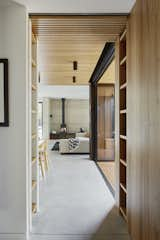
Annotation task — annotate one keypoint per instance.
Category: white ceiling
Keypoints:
(78, 6)
(70, 92)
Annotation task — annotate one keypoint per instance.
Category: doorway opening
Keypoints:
(64, 51)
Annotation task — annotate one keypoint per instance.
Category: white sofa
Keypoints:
(83, 146)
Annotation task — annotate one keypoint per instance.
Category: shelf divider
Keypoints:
(123, 61)
(122, 185)
(123, 35)
(123, 137)
(123, 86)
(123, 111)
(123, 162)
(123, 212)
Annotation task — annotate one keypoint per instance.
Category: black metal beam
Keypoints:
(63, 124)
(104, 61)
(79, 14)
(93, 122)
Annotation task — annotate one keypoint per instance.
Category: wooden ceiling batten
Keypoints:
(68, 38)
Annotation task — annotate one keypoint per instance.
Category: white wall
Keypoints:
(62, 91)
(13, 140)
(56, 112)
(76, 114)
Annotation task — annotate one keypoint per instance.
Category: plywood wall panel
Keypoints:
(144, 120)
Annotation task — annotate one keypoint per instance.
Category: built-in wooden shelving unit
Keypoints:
(123, 126)
(34, 116)
(34, 166)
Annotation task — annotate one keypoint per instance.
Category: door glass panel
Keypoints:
(106, 119)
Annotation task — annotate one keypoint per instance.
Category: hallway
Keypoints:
(75, 203)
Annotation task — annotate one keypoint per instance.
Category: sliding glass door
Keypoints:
(105, 122)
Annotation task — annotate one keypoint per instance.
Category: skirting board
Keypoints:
(12, 236)
(60, 237)
(80, 237)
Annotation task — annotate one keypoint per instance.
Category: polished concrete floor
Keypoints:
(75, 203)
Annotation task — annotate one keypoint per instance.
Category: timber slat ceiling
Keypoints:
(64, 39)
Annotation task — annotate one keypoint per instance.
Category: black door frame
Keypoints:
(104, 61)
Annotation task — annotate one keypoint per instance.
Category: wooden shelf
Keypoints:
(123, 187)
(123, 111)
(123, 162)
(123, 86)
(34, 88)
(33, 39)
(33, 63)
(34, 208)
(123, 137)
(123, 61)
(123, 35)
(34, 136)
(34, 159)
(123, 212)
(34, 183)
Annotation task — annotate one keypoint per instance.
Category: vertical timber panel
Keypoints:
(144, 120)
(117, 121)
